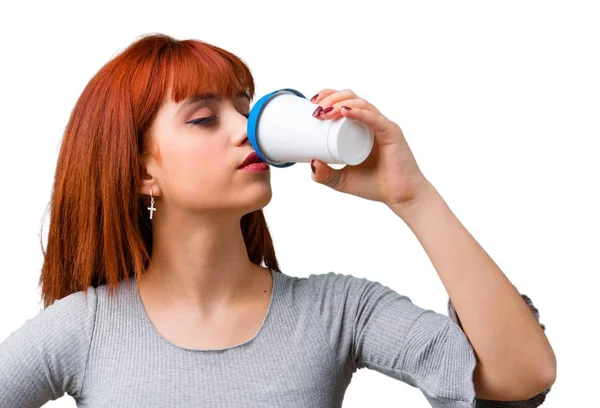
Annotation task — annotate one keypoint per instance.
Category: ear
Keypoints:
(148, 180)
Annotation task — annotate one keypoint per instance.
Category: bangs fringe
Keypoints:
(199, 68)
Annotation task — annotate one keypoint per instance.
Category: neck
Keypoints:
(203, 261)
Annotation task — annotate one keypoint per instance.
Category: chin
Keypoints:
(259, 201)
(264, 199)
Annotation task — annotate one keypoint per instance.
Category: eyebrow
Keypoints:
(207, 97)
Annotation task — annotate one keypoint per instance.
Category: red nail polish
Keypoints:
(317, 111)
(312, 167)
(314, 97)
(347, 108)
(327, 110)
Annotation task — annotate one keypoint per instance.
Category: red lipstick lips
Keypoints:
(252, 158)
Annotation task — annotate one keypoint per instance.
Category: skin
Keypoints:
(200, 289)
(200, 279)
(514, 358)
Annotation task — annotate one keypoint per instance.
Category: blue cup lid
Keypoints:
(253, 123)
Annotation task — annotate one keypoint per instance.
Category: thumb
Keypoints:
(323, 174)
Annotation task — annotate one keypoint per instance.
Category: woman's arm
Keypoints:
(514, 358)
(370, 325)
(528, 403)
(46, 357)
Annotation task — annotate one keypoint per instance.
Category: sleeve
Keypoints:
(370, 325)
(46, 357)
(530, 403)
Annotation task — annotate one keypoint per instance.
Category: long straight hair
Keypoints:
(99, 230)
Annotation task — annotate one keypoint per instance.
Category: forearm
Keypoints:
(514, 357)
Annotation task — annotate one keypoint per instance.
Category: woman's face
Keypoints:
(201, 144)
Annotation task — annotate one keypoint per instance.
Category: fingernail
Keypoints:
(317, 111)
(347, 108)
(327, 110)
(314, 97)
(312, 167)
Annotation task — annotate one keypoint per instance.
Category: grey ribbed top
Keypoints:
(317, 332)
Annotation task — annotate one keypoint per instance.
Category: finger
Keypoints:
(335, 113)
(323, 93)
(376, 121)
(323, 174)
(334, 97)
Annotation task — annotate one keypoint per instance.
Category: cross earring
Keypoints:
(151, 208)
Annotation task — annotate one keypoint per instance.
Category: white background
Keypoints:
(499, 103)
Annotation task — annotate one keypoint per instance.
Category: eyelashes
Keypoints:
(202, 121)
(208, 120)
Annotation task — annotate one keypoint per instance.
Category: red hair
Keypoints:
(99, 229)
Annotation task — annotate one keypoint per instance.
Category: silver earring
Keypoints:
(151, 208)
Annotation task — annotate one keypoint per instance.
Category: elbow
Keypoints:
(520, 385)
(534, 389)
(545, 379)
(542, 375)
(549, 376)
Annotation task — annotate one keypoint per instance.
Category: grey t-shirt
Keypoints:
(104, 351)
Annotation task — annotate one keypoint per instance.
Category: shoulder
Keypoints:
(344, 283)
(69, 319)
(50, 349)
(60, 330)
(76, 305)
(82, 307)
(335, 287)
(327, 279)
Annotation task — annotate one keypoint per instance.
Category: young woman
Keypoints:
(161, 285)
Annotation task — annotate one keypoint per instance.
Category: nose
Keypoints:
(240, 129)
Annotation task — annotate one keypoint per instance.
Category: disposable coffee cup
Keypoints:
(283, 132)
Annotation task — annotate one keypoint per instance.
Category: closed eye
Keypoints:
(208, 120)
(202, 121)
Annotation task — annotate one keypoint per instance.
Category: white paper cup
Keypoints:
(283, 131)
